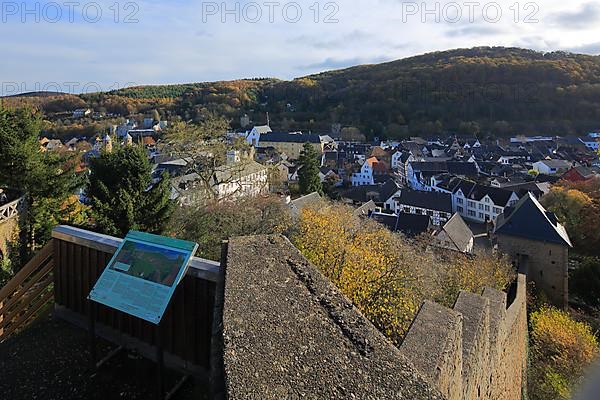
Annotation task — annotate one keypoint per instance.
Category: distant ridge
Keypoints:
(38, 94)
(497, 91)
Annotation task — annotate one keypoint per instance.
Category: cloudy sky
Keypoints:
(79, 46)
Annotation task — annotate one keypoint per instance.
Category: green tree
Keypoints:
(123, 196)
(584, 282)
(308, 175)
(47, 179)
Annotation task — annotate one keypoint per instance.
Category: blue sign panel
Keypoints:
(142, 276)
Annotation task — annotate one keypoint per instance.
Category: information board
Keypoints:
(142, 276)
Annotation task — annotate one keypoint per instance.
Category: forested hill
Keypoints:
(499, 89)
(486, 90)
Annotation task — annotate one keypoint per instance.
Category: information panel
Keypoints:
(142, 276)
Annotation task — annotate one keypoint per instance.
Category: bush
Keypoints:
(562, 349)
(217, 221)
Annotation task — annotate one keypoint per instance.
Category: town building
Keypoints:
(292, 143)
(476, 202)
(455, 235)
(579, 174)
(552, 167)
(409, 224)
(370, 168)
(438, 206)
(536, 242)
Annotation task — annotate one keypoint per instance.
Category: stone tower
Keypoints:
(107, 142)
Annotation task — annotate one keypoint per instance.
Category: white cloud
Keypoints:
(174, 42)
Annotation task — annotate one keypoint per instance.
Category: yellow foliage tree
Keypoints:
(383, 274)
(562, 350)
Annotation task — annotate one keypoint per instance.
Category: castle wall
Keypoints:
(476, 350)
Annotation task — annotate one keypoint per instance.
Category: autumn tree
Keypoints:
(216, 221)
(203, 147)
(308, 174)
(383, 274)
(561, 351)
(577, 206)
(123, 195)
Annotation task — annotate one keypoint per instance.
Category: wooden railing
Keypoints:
(80, 257)
(10, 210)
(65, 270)
(28, 294)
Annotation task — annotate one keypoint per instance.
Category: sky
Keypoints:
(86, 46)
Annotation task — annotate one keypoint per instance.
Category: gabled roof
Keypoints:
(475, 191)
(310, 200)
(556, 163)
(290, 137)
(458, 232)
(364, 193)
(530, 220)
(428, 200)
(262, 129)
(584, 172)
(408, 224)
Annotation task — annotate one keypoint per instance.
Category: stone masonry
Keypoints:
(476, 350)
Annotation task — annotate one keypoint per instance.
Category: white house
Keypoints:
(253, 137)
(552, 167)
(123, 129)
(396, 160)
(81, 112)
(365, 175)
(245, 178)
(482, 203)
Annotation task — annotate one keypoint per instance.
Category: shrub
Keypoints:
(562, 349)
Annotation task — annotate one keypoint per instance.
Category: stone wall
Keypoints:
(546, 263)
(477, 350)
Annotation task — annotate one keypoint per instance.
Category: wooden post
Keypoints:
(160, 364)
(92, 332)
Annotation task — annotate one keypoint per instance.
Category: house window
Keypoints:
(472, 213)
(480, 215)
(471, 204)
(487, 208)
(459, 209)
(497, 210)
(459, 200)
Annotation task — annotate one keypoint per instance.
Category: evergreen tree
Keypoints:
(46, 179)
(308, 175)
(123, 195)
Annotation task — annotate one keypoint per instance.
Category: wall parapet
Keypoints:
(477, 350)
